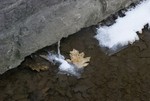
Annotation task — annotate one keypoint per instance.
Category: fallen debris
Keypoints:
(78, 59)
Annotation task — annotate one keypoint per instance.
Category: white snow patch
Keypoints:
(124, 30)
(64, 66)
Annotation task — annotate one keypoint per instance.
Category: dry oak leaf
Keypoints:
(38, 67)
(78, 59)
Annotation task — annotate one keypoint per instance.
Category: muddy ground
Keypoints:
(124, 76)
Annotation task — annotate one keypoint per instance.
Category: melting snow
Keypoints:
(124, 30)
(64, 66)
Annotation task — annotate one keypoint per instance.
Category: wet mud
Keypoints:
(124, 76)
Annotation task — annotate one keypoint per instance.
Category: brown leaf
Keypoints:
(78, 59)
(38, 67)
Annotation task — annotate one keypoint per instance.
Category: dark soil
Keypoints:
(124, 76)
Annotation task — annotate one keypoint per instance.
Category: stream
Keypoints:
(123, 76)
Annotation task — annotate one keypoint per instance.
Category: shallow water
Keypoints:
(124, 76)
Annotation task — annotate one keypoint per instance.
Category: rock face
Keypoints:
(29, 25)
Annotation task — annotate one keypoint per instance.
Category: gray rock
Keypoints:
(29, 25)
